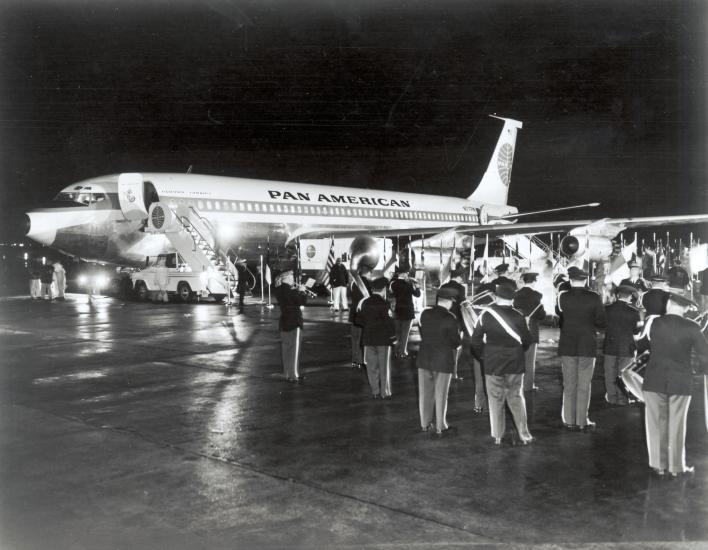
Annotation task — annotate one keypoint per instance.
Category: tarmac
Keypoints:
(127, 425)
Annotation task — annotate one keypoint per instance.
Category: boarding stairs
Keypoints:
(195, 239)
(530, 247)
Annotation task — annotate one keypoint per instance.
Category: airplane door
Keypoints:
(131, 196)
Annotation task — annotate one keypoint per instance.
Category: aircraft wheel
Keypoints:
(184, 292)
(141, 291)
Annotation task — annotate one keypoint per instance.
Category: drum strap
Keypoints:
(647, 327)
(510, 331)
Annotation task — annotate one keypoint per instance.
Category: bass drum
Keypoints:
(631, 378)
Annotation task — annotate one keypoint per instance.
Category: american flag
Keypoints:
(329, 265)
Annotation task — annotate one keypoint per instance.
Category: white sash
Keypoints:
(504, 325)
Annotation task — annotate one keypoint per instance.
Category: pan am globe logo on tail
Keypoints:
(504, 161)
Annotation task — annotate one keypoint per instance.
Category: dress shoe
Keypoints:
(387, 397)
(429, 428)
(686, 471)
(446, 431)
(589, 427)
(497, 441)
(571, 427)
(376, 396)
(658, 471)
(528, 440)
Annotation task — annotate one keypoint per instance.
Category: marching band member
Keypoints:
(581, 314)
(358, 360)
(623, 323)
(500, 338)
(528, 301)
(667, 383)
(439, 338)
(403, 290)
(290, 299)
(378, 334)
(635, 278)
(455, 283)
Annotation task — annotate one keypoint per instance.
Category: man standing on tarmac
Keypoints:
(668, 383)
(500, 338)
(528, 301)
(338, 279)
(378, 334)
(290, 299)
(619, 346)
(440, 337)
(358, 360)
(581, 314)
(403, 290)
(455, 284)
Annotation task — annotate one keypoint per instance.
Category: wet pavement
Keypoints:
(134, 425)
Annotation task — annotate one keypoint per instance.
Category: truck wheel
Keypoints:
(141, 291)
(184, 292)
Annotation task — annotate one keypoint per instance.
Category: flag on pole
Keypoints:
(618, 266)
(329, 265)
(485, 261)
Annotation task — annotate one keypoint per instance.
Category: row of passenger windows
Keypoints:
(316, 210)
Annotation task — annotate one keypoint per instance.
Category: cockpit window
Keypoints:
(81, 197)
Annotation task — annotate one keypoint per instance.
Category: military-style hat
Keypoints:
(577, 274)
(633, 265)
(457, 273)
(560, 278)
(379, 284)
(501, 268)
(505, 291)
(627, 290)
(447, 293)
(529, 277)
(681, 300)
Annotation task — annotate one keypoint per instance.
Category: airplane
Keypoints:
(122, 218)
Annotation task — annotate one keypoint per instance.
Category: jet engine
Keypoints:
(573, 246)
(363, 252)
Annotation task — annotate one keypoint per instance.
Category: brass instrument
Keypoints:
(469, 315)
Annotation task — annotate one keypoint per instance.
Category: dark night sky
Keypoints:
(380, 94)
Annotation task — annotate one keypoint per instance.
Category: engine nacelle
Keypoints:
(574, 246)
(363, 252)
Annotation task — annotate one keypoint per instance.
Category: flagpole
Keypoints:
(262, 296)
(471, 292)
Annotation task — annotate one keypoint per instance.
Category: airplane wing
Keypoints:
(607, 227)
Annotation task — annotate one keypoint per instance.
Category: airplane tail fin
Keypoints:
(494, 187)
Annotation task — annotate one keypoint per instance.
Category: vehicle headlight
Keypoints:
(83, 279)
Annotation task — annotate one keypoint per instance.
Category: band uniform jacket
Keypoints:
(338, 275)
(439, 338)
(491, 343)
(640, 284)
(622, 325)
(526, 301)
(403, 292)
(378, 327)
(356, 298)
(581, 314)
(654, 301)
(290, 300)
(671, 340)
(455, 309)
